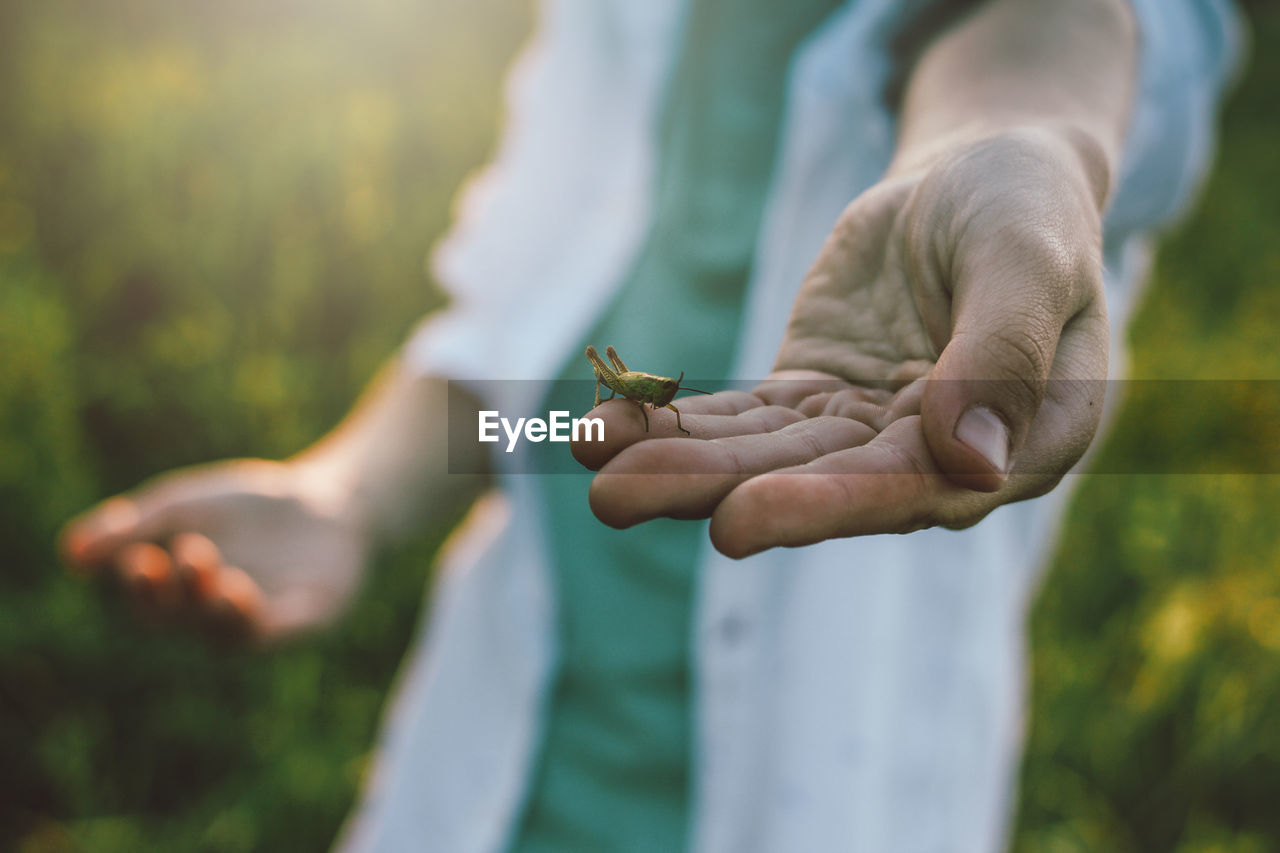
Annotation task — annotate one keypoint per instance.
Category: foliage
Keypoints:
(213, 223)
(1157, 635)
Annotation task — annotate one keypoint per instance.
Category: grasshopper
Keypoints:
(639, 388)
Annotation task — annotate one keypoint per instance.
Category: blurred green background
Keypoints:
(213, 219)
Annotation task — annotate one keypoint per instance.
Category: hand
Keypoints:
(248, 549)
(940, 361)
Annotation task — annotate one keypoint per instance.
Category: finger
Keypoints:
(90, 541)
(889, 485)
(853, 406)
(1014, 291)
(147, 573)
(906, 402)
(624, 426)
(687, 478)
(235, 609)
(791, 387)
(196, 563)
(1072, 408)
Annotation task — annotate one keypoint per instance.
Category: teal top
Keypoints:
(613, 772)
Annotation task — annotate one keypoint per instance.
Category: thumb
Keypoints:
(990, 379)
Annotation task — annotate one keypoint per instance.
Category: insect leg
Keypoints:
(643, 414)
(604, 375)
(617, 361)
(612, 394)
(678, 426)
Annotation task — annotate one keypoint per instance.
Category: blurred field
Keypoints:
(213, 223)
(213, 219)
(1156, 708)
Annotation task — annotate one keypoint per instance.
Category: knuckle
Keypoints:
(1041, 232)
(808, 439)
(737, 465)
(815, 405)
(884, 198)
(1017, 367)
(1021, 351)
(775, 417)
(909, 462)
(925, 509)
(1033, 242)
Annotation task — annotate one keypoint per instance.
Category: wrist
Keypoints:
(1078, 151)
(386, 470)
(329, 480)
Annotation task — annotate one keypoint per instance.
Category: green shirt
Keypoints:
(614, 770)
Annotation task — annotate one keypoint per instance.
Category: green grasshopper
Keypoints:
(639, 388)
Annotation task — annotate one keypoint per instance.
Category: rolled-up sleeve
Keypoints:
(1189, 52)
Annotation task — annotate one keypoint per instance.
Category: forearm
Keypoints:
(1063, 65)
(387, 465)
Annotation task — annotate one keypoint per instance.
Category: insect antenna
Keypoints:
(680, 387)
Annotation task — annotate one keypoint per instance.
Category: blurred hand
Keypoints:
(248, 549)
(939, 362)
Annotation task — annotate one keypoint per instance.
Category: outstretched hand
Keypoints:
(942, 359)
(244, 550)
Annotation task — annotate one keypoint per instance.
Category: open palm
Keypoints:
(241, 548)
(941, 359)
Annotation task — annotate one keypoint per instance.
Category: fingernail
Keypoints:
(984, 432)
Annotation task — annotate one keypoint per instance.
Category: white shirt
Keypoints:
(861, 695)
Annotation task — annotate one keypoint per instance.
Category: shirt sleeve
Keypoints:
(1189, 50)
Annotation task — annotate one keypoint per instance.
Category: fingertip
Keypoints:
(192, 548)
(982, 457)
(732, 540)
(590, 453)
(90, 540)
(199, 582)
(74, 546)
(788, 388)
(608, 503)
(196, 561)
(609, 429)
(623, 425)
(969, 439)
(815, 404)
(743, 522)
(147, 572)
(236, 605)
(727, 542)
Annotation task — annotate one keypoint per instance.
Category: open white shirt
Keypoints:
(860, 695)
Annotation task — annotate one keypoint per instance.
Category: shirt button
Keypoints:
(733, 628)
